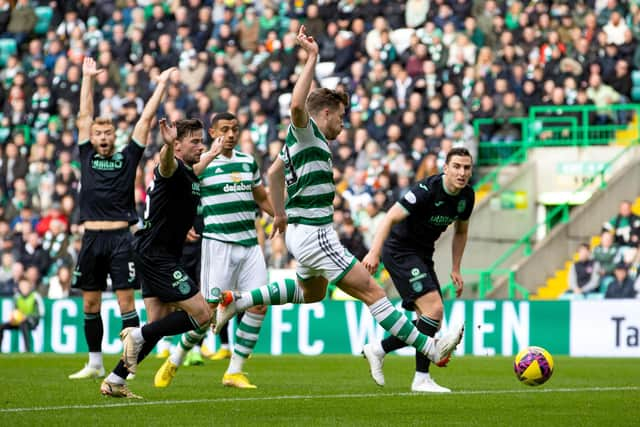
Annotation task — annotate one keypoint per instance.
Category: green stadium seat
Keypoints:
(635, 94)
(635, 78)
(44, 14)
(8, 47)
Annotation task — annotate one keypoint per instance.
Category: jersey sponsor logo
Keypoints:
(112, 164)
(441, 220)
(439, 203)
(461, 205)
(195, 188)
(417, 275)
(410, 197)
(232, 188)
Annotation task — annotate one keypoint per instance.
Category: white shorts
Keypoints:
(231, 267)
(318, 252)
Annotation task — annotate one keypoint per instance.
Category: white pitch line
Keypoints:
(305, 397)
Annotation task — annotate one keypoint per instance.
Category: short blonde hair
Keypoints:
(103, 121)
(325, 98)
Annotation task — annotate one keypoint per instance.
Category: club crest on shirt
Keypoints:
(461, 205)
(236, 176)
(246, 167)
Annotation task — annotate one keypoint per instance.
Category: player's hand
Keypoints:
(279, 225)
(371, 262)
(458, 282)
(307, 42)
(192, 236)
(89, 67)
(168, 131)
(216, 147)
(163, 77)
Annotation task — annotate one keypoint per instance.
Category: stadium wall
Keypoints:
(493, 327)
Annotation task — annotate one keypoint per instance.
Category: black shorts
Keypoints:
(105, 252)
(163, 276)
(411, 275)
(191, 256)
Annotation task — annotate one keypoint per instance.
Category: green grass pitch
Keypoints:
(324, 390)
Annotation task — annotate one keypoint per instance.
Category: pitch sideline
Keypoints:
(296, 397)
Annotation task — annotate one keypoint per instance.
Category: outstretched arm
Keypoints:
(168, 163)
(85, 115)
(141, 131)
(396, 214)
(299, 114)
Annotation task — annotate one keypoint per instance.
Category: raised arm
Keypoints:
(299, 115)
(168, 163)
(207, 157)
(141, 131)
(396, 214)
(276, 186)
(85, 115)
(458, 243)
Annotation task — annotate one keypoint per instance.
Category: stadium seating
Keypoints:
(8, 47)
(635, 90)
(44, 14)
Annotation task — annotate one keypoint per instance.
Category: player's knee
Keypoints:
(126, 303)
(258, 309)
(203, 316)
(91, 305)
(373, 291)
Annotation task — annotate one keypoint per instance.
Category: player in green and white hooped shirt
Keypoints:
(231, 191)
(305, 166)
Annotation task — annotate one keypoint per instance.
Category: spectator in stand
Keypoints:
(606, 254)
(352, 238)
(7, 286)
(622, 285)
(583, 274)
(60, 284)
(625, 226)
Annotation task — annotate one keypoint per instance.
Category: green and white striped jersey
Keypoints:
(228, 206)
(308, 175)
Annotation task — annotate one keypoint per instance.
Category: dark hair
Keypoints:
(586, 246)
(216, 117)
(326, 98)
(188, 126)
(458, 151)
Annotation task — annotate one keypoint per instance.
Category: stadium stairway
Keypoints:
(558, 284)
(631, 133)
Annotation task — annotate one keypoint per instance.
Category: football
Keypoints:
(533, 365)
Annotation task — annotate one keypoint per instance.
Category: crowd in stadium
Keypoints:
(413, 93)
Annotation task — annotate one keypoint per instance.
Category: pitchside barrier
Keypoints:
(577, 328)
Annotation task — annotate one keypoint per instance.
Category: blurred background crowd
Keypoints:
(418, 73)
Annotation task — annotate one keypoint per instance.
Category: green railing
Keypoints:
(556, 126)
(487, 275)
